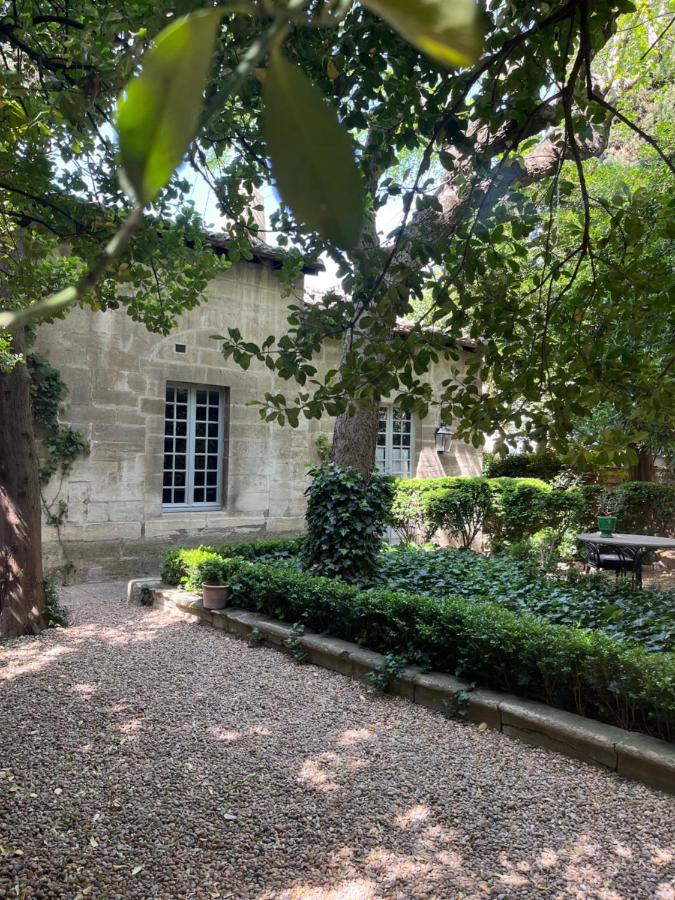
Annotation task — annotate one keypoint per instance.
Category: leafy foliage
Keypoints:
(518, 508)
(629, 616)
(211, 570)
(160, 108)
(461, 509)
(346, 517)
(180, 564)
(583, 671)
(312, 156)
(55, 615)
(544, 465)
(62, 443)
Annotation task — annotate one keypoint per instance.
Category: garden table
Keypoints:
(629, 548)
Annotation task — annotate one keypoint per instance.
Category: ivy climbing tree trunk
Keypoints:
(22, 595)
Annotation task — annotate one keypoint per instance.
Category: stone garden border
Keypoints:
(628, 753)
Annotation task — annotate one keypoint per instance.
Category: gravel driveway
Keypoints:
(145, 757)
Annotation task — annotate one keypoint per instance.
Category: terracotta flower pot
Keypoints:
(606, 525)
(214, 596)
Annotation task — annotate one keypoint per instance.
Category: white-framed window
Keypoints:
(194, 429)
(395, 449)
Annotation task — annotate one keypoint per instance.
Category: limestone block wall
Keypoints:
(117, 372)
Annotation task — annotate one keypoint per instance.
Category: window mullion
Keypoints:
(389, 440)
(191, 447)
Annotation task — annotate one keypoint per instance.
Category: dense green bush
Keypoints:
(583, 671)
(346, 517)
(53, 612)
(629, 616)
(522, 507)
(545, 465)
(461, 509)
(180, 565)
(642, 507)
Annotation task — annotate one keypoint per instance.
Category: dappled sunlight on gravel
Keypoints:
(142, 756)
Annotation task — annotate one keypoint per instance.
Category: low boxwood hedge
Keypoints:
(181, 564)
(571, 668)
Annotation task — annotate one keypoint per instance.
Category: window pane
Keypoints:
(201, 396)
(170, 393)
(181, 428)
(179, 496)
(200, 429)
(211, 495)
(181, 411)
(214, 398)
(182, 395)
(199, 479)
(213, 429)
(199, 495)
(201, 413)
(166, 495)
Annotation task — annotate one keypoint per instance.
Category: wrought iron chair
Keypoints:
(620, 560)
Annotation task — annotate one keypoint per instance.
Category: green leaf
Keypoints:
(312, 155)
(159, 111)
(447, 30)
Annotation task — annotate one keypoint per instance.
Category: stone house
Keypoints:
(178, 456)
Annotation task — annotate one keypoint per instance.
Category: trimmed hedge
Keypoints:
(582, 671)
(181, 565)
(523, 506)
(545, 465)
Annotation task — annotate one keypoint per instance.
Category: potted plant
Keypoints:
(215, 589)
(606, 519)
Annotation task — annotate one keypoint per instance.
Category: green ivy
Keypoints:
(62, 444)
(346, 517)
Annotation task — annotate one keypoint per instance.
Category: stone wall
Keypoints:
(117, 372)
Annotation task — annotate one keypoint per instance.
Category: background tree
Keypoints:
(553, 81)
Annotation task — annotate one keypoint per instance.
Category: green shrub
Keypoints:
(512, 516)
(643, 507)
(461, 509)
(571, 668)
(515, 580)
(264, 550)
(518, 509)
(180, 564)
(346, 517)
(545, 465)
(53, 613)
(409, 514)
(210, 571)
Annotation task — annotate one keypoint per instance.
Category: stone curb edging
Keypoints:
(628, 753)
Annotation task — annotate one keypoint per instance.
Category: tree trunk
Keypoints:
(643, 470)
(22, 595)
(354, 440)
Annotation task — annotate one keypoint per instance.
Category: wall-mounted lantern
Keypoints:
(444, 435)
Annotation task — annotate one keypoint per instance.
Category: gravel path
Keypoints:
(145, 757)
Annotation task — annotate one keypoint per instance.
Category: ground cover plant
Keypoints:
(592, 601)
